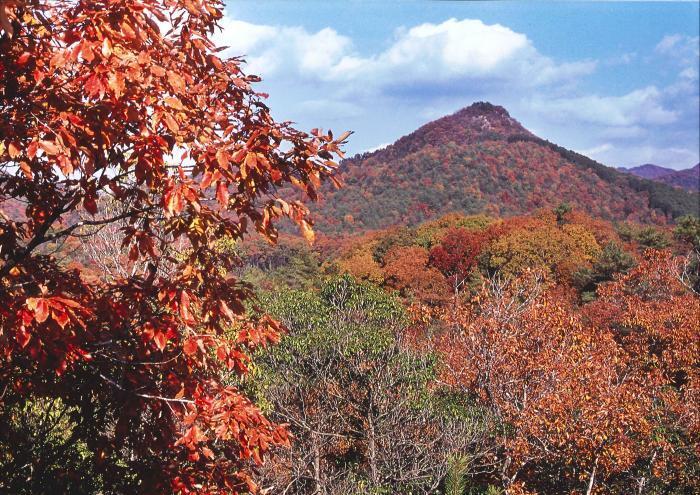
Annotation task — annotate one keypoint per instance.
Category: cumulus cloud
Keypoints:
(270, 50)
(428, 70)
(451, 51)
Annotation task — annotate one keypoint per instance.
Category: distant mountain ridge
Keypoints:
(480, 159)
(648, 171)
(688, 178)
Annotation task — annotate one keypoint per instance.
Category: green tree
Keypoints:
(611, 261)
(652, 238)
(688, 230)
(357, 398)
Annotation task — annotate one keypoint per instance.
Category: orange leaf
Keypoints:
(174, 103)
(222, 157)
(171, 123)
(307, 231)
(177, 82)
(173, 201)
(222, 193)
(13, 150)
(106, 47)
(206, 180)
(5, 20)
(185, 306)
(50, 147)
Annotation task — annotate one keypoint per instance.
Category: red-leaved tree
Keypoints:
(128, 99)
(457, 254)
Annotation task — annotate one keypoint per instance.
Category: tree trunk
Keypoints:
(591, 480)
(319, 489)
(372, 450)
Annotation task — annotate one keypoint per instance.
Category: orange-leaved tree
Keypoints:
(655, 318)
(128, 99)
(585, 403)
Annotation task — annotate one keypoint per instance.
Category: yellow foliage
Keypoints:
(360, 263)
(543, 246)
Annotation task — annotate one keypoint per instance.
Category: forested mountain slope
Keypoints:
(480, 159)
(647, 171)
(687, 179)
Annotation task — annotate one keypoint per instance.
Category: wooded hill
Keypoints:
(481, 160)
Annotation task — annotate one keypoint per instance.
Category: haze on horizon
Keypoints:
(615, 81)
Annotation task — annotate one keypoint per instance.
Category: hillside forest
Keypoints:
(197, 299)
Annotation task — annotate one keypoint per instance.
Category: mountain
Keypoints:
(647, 171)
(480, 159)
(687, 179)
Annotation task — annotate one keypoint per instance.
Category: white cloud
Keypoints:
(272, 49)
(453, 50)
(631, 156)
(376, 148)
(642, 106)
(689, 74)
(428, 70)
(621, 59)
(626, 132)
(684, 49)
(597, 150)
(668, 42)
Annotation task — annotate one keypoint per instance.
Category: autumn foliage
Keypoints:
(551, 353)
(130, 100)
(595, 399)
(579, 341)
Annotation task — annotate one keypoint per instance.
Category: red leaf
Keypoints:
(40, 308)
(90, 205)
(23, 338)
(222, 353)
(160, 339)
(190, 346)
(185, 306)
(60, 317)
(31, 149)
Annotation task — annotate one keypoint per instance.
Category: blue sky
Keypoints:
(617, 81)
